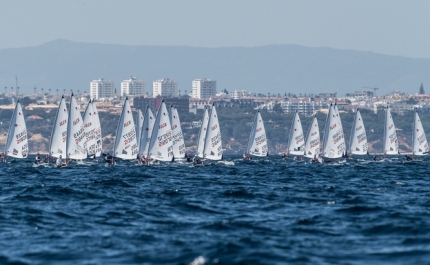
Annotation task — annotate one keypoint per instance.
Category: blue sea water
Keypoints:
(267, 211)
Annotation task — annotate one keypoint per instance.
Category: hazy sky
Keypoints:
(394, 27)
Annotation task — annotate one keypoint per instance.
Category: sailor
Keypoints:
(376, 158)
(409, 157)
(46, 159)
(38, 159)
(246, 157)
(60, 162)
(3, 157)
(315, 159)
(283, 155)
(108, 158)
(189, 159)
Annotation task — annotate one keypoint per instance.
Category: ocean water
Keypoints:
(265, 211)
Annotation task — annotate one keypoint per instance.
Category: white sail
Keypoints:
(419, 141)
(148, 125)
(161, 144)
(312, 145)
(391, 145)
(98, 130)
(90, 130)
(125, 139)
(139, 129)
(76, 142)
(257, 143)
(58, 143)
(202, 134)
(17, 142)
(334, 141)
(177, 136)
(358, 141)
(213, 144)
(296, 140)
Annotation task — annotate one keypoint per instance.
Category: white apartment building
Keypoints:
(102, 88)
(165, 88)
(133, 86)
(203, 88)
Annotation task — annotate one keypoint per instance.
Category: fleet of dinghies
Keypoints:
(160, 138)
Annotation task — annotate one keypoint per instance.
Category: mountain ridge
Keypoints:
(279, 68)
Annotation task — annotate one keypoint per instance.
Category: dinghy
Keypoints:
(125, 139)
(139, 129)
(17, 142)
(202, 134)
(391, 145)
(358, 139)
(91, 131)
(419, 140)
(75, 142)
(161, 144)
(177, 136)
(147, 127)
(334, 141)
(312, 144)
(97, 131)
(296, 140)
(257, 143)
(213, 144)
(58, 141)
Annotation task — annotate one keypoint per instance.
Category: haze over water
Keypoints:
(269, 211)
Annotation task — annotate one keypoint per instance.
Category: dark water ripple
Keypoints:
(233, 212)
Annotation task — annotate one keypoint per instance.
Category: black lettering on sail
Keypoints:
(124, 152)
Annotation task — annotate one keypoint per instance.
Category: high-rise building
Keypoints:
(203, 88)
(102, 88)
(132, 86)
(165, 88)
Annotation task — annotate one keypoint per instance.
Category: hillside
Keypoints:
(276, 69)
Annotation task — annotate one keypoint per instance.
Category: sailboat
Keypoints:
(312, 144)
(17, 142)
(202, 134)
(419, 140)
(296, 140)
(97, 130)
(391, 145)
(177, 136)
(90, 130)
(334, 141)
(125, 140)
(257, 143)
(57, 145)
(358, 140)
(139, 129)
(75, 142)
(161, 144)
(213, 144)
(147, 127)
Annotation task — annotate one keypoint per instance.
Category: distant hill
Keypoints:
(63, 64)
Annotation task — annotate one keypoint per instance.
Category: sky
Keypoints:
(394, 27)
